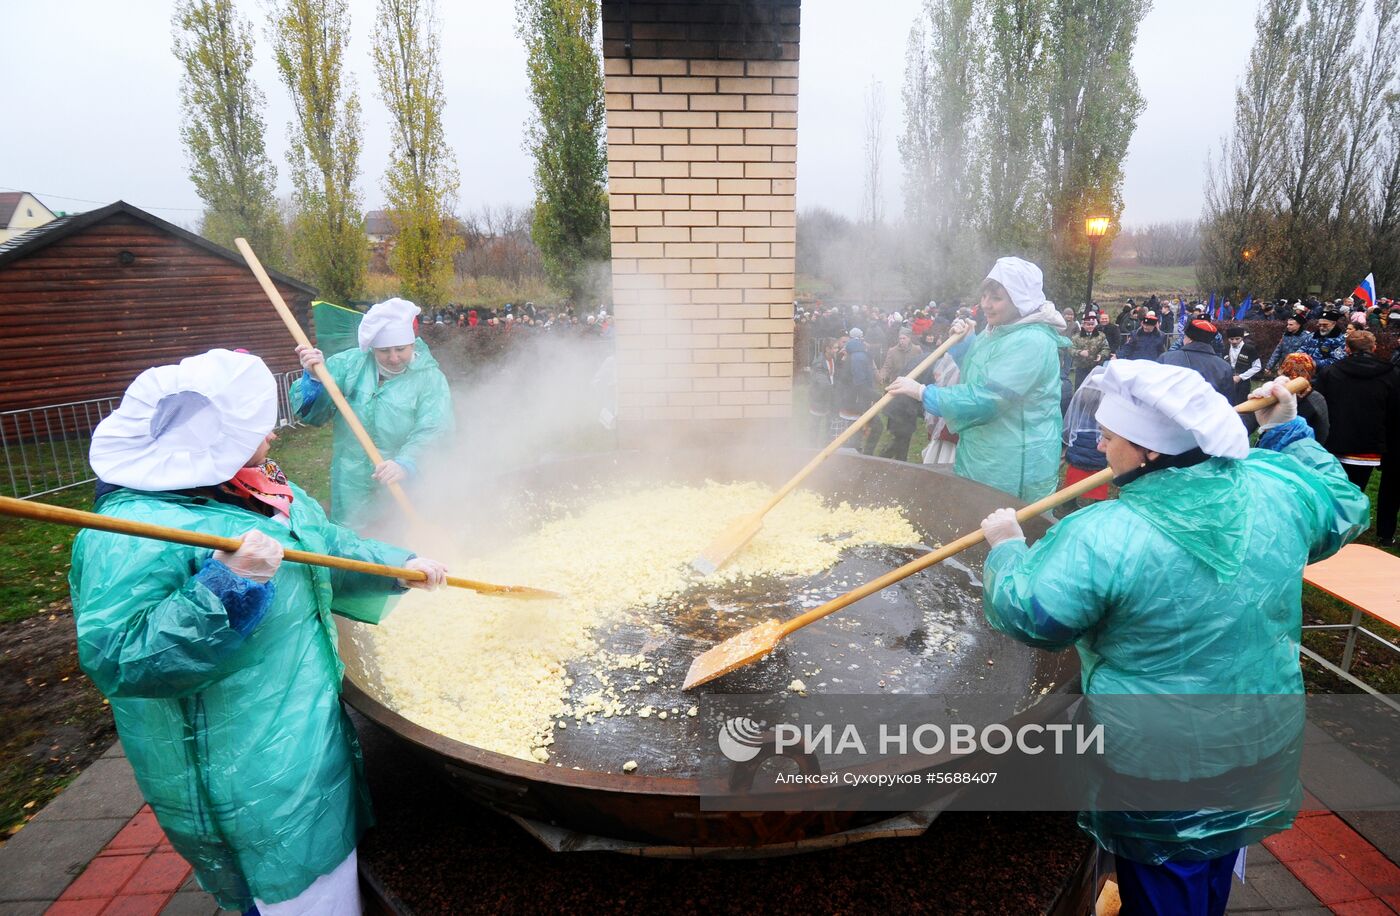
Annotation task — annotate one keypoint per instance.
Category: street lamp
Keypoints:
(1095, 227)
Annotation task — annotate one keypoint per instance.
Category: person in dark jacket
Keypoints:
(903, 414)
(1328, 343)
(1111, 332)
(1243, 358)
(1197, 353)
(822, 390)
(1294, 340)
(1388, 499)
(858, 393)
(1363, 404)
(1148, 342)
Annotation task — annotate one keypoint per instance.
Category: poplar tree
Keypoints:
(565, 137)
(222, 126)
(1012, 115)
(1092, 104)
(421, 181)
(309, 43)
(939, 95)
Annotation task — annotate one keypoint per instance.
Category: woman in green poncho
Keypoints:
(1006, 406)
(400, 395)
(1183, 598)
(221, 667)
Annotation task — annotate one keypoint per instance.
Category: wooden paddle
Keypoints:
(76, 518)
(323, 374)
(756, 642)
(733, 538)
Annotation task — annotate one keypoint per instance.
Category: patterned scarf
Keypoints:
(264, 484)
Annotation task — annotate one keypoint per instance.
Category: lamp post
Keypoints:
(1095, 227)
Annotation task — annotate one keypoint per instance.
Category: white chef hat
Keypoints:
(1024, 282)
(388, 324)
(193, 424)
(1168, 409)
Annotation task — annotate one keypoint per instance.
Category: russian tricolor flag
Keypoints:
(1366, 292)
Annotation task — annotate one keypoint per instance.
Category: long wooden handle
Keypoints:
(323, 374)
(855, 427)
(77, 518)
(973, 538)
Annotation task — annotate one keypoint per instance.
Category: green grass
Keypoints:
(34, 558)
(1121, 280)
(304, 453)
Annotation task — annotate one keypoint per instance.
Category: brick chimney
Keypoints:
(702, 166)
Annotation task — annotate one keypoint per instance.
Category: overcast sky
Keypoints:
(92, 102)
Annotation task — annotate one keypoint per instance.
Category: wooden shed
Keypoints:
(89, 301)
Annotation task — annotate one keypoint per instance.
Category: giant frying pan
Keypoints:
(925, 635)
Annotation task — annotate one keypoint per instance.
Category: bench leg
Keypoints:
(1351, 639)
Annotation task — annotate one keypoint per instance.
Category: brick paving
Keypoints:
(76, 859)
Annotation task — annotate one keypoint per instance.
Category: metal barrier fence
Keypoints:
(46, 448)
(286, 417)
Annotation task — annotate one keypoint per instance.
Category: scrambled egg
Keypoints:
(491, 672)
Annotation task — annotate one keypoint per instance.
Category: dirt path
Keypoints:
(53, 722)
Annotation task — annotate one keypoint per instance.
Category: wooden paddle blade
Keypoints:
(505, 591)
(730, 542)
(735, 652)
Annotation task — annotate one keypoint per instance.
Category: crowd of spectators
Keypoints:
(849, 354)
(526, 316)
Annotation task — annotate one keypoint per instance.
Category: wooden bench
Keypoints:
(1368, 579)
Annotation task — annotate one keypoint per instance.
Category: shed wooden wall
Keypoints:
(75, 324)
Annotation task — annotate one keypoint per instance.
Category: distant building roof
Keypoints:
(42, 236)
(8, 201)
(377, 222)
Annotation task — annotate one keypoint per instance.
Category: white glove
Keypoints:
(257, 558)
(1002, 526)
(907, 387)
(389, 472)
(310, 356)
(960, 327)
(436, 572)
(1278, 414)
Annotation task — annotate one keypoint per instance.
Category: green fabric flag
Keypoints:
(337, 327)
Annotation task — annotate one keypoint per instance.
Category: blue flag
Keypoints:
(1210, 307)
(1244, 307)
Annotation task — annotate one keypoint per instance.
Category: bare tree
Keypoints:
(1176, 244)
(1385, 224)
(1317, 137)
(1375, 74)
(1244, 183)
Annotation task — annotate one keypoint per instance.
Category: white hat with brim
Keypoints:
(189, 425)
(388, 324)
(1168, 409)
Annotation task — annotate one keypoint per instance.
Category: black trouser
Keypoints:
(872, 432)
(901, 431)
(1359, 474)
(1388, 500)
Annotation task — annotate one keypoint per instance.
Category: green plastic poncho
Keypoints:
(1189, 584)
(405, 416)
(1006, 409)
(239, 742)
